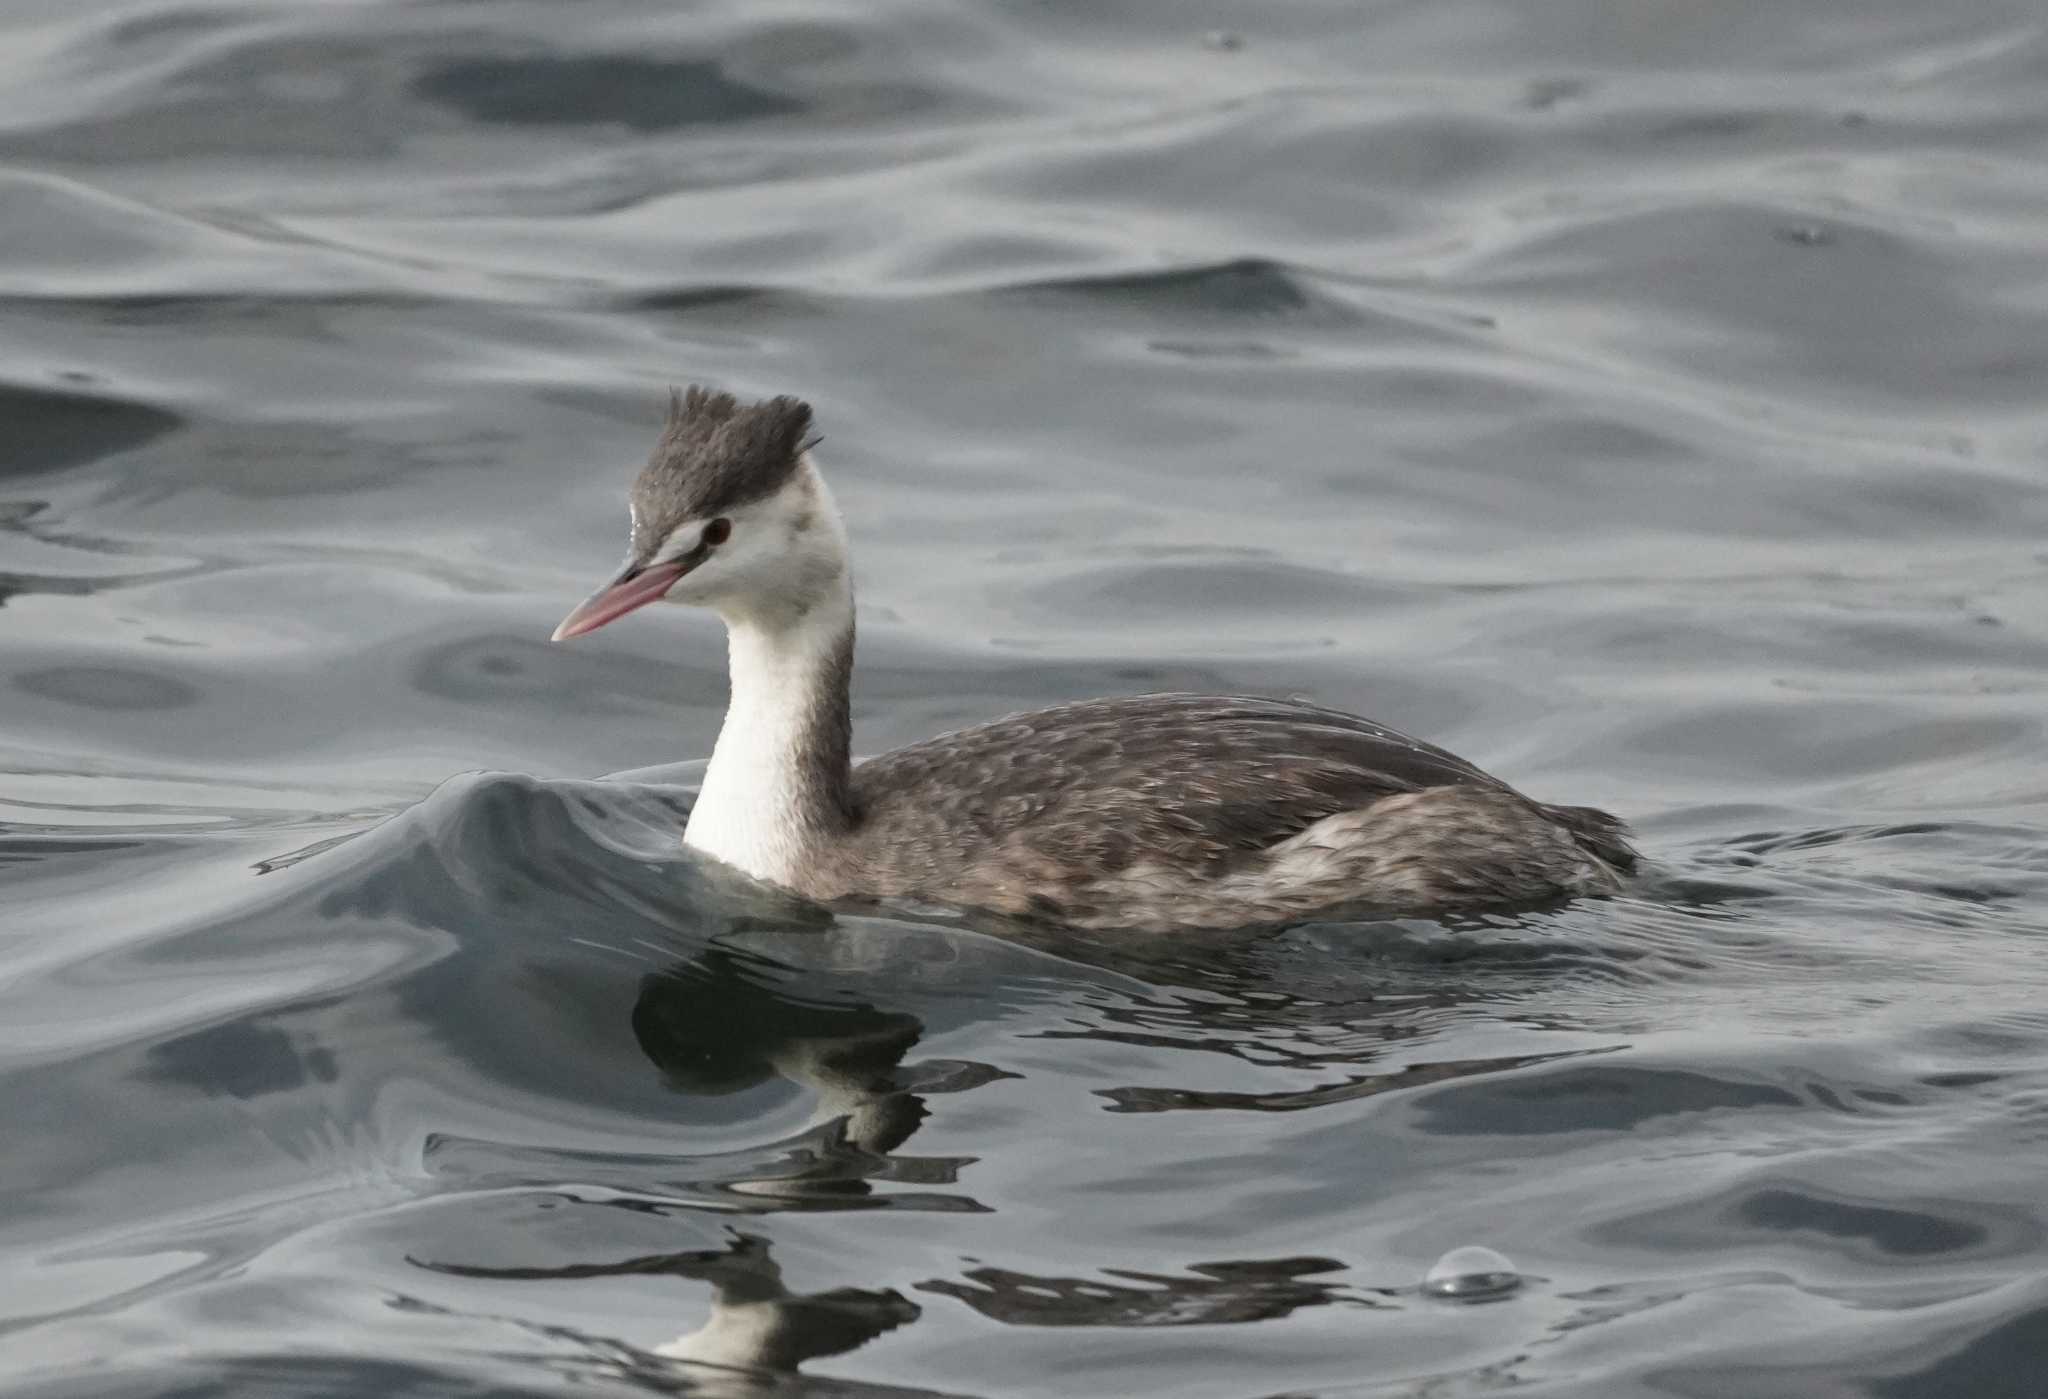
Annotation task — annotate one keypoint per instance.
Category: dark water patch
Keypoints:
(1470, 952)
(1588, 1098)
(287, 312)
(525, 673)
(977, 257)
(55, 430)
(23, 849)
(1806, 235)
(108, 687)
(1707, 894)
(41, 521)
(1602, 445)
(243, 1059)
(1248, 288)
(2000, 1361)
(1547, 94)
(1987, 867)
(1424, 152)
(1926, 1351)
(640, 93)
(1347, 1090)
(1962, 1079)
(715, 297)
(1772, 842)
(14, 585)
(1248, 350)
(1890, 1232)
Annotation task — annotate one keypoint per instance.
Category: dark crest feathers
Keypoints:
(715, 454)
(698, 401)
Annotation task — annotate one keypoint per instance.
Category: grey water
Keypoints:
(1648, 400)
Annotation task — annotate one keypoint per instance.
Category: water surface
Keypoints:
(1642, 399)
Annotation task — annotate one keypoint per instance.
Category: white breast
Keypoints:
(739, 817)
(752, 811)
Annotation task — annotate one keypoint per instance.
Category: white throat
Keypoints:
(771, 792)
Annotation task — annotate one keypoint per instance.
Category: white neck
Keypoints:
(777, 780)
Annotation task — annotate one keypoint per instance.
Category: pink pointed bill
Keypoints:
(629, 592)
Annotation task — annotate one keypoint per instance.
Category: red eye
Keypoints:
(718, 531)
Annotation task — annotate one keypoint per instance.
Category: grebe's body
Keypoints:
(1148, 812)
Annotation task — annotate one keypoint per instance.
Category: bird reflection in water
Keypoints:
(757, 1329)
(727, 1020)
(716, 1025)
(713, 1027)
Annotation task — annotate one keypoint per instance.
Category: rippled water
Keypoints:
(1645, 399)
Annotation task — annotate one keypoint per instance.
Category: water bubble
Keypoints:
(1473, 1273)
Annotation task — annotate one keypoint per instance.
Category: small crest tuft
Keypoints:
(700, 402)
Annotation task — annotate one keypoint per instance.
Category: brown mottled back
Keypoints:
(1024, 813)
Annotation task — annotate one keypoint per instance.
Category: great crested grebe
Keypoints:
(1149, 812)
